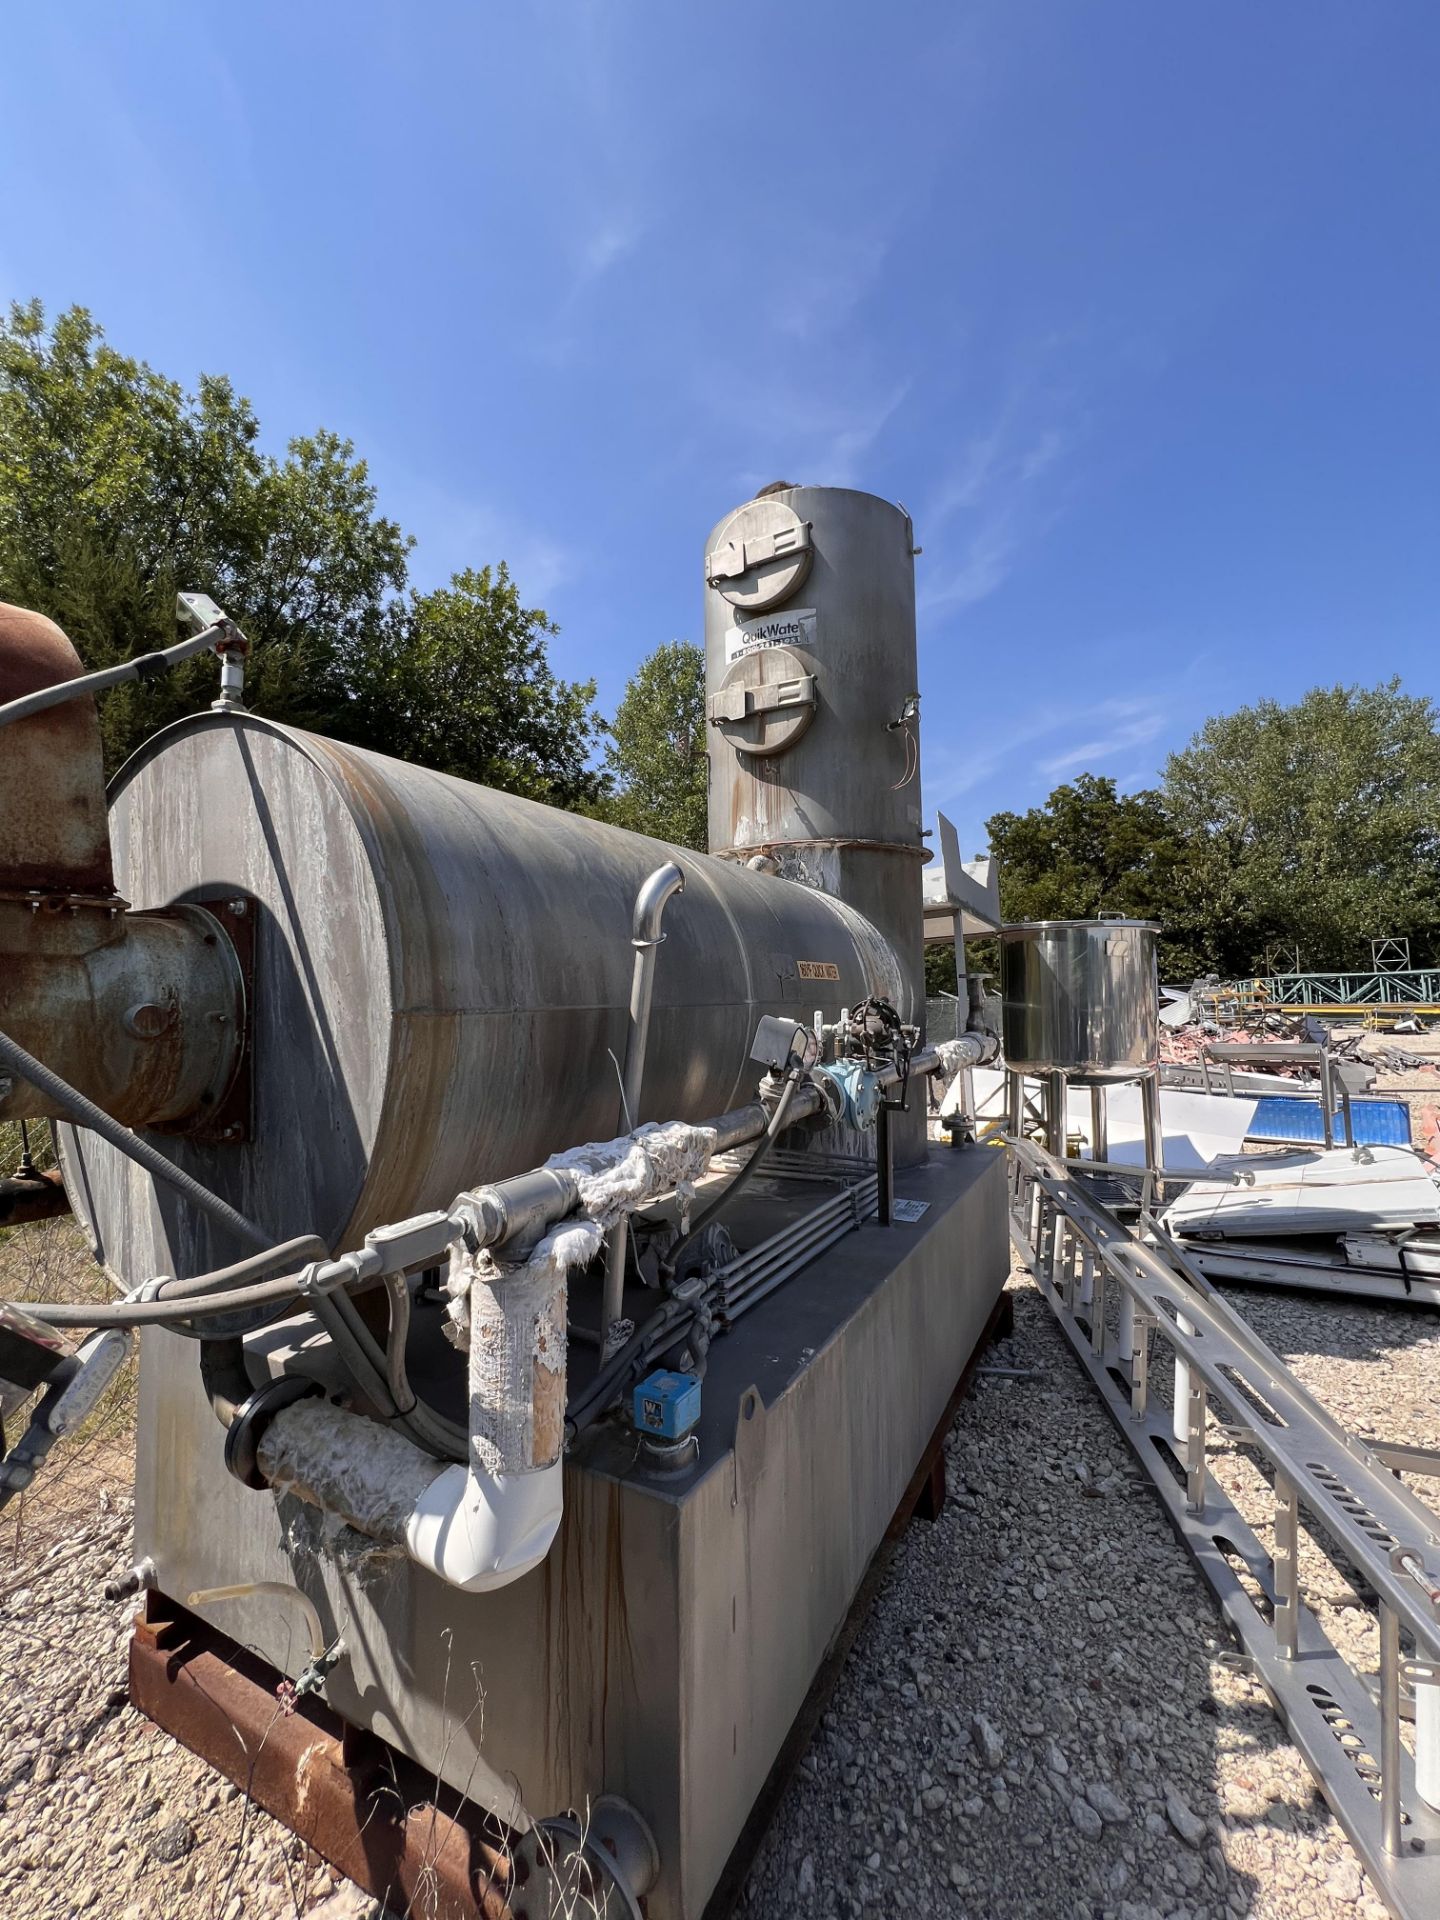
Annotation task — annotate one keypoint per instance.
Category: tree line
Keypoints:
(118, 488)
(1315, 825)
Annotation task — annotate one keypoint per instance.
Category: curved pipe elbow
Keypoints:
(651, 900)
(478, 1531)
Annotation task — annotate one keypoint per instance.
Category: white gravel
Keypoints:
(1040, 1717)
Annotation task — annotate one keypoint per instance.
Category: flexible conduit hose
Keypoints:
(160, 1313)
(143, 667)
(85, 1113)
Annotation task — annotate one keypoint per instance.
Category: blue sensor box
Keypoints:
(667, 1404)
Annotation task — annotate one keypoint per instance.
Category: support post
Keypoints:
(884, 1165)
(1286, 1560)
(1390, 1808)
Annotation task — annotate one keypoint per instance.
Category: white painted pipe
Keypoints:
(1427, 1733)
(478, 1530)
(475, 1530)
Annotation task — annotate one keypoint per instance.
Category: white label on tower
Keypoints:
(793, 628)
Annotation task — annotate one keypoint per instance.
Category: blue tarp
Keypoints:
(1378, 1123)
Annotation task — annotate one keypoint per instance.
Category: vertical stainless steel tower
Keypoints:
(813, 713)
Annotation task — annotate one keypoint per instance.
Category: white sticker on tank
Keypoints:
(793, 628)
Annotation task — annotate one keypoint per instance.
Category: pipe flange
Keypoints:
(603, 1868)
(252, 1416)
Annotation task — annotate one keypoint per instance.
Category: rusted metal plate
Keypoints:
(371, 1812)
(32, 1196)
(53, 831)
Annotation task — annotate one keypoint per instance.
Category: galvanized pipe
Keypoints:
(645, 936)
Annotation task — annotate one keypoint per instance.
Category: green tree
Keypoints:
(1090, 850)
(117, 488)
(942, 972)
(1317, 823)
(461, 681)
(656, 755)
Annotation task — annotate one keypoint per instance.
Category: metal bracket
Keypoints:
(730, 705)
(749, 1444)
(738, 557)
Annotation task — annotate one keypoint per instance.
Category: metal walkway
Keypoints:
(1121, 1297)
(1408, 989)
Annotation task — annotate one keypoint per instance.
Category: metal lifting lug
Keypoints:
(739, 557)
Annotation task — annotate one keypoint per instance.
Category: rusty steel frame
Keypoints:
(372, 1813)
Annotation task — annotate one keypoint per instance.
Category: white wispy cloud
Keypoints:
(819, 291)
(1143, 724)
(1045, 743)
(998, 495)
(818, 435)
(465, 532)
(616, 233)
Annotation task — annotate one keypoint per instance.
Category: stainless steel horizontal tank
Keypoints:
(1081, 997)
(442, 978)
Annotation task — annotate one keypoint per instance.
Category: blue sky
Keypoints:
(1135, 305)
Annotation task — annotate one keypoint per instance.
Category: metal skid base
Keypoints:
(666, 1647)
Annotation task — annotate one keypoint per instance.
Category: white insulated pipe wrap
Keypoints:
(369, 1475)
(516, 1312)
(485, 1524)
(517, 1353)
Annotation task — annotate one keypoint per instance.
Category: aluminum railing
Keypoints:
(1121, 1294)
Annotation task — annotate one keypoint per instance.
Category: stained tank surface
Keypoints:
(812, 715)
(442, 975)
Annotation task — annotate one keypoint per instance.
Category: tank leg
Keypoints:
(1055, 1090)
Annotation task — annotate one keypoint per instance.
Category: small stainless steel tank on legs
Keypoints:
(1080, 998)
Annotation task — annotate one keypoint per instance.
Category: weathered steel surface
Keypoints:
(368, 1810)
(839, 806)
(141, 1012)
(665, 1646)
(924, 1499)
(441, 981)
(52, 781)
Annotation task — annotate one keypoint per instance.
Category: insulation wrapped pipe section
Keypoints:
(481, 1525)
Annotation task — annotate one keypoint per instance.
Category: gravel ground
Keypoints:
(1040, 1717)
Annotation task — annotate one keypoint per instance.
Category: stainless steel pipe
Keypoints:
(645, 936)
